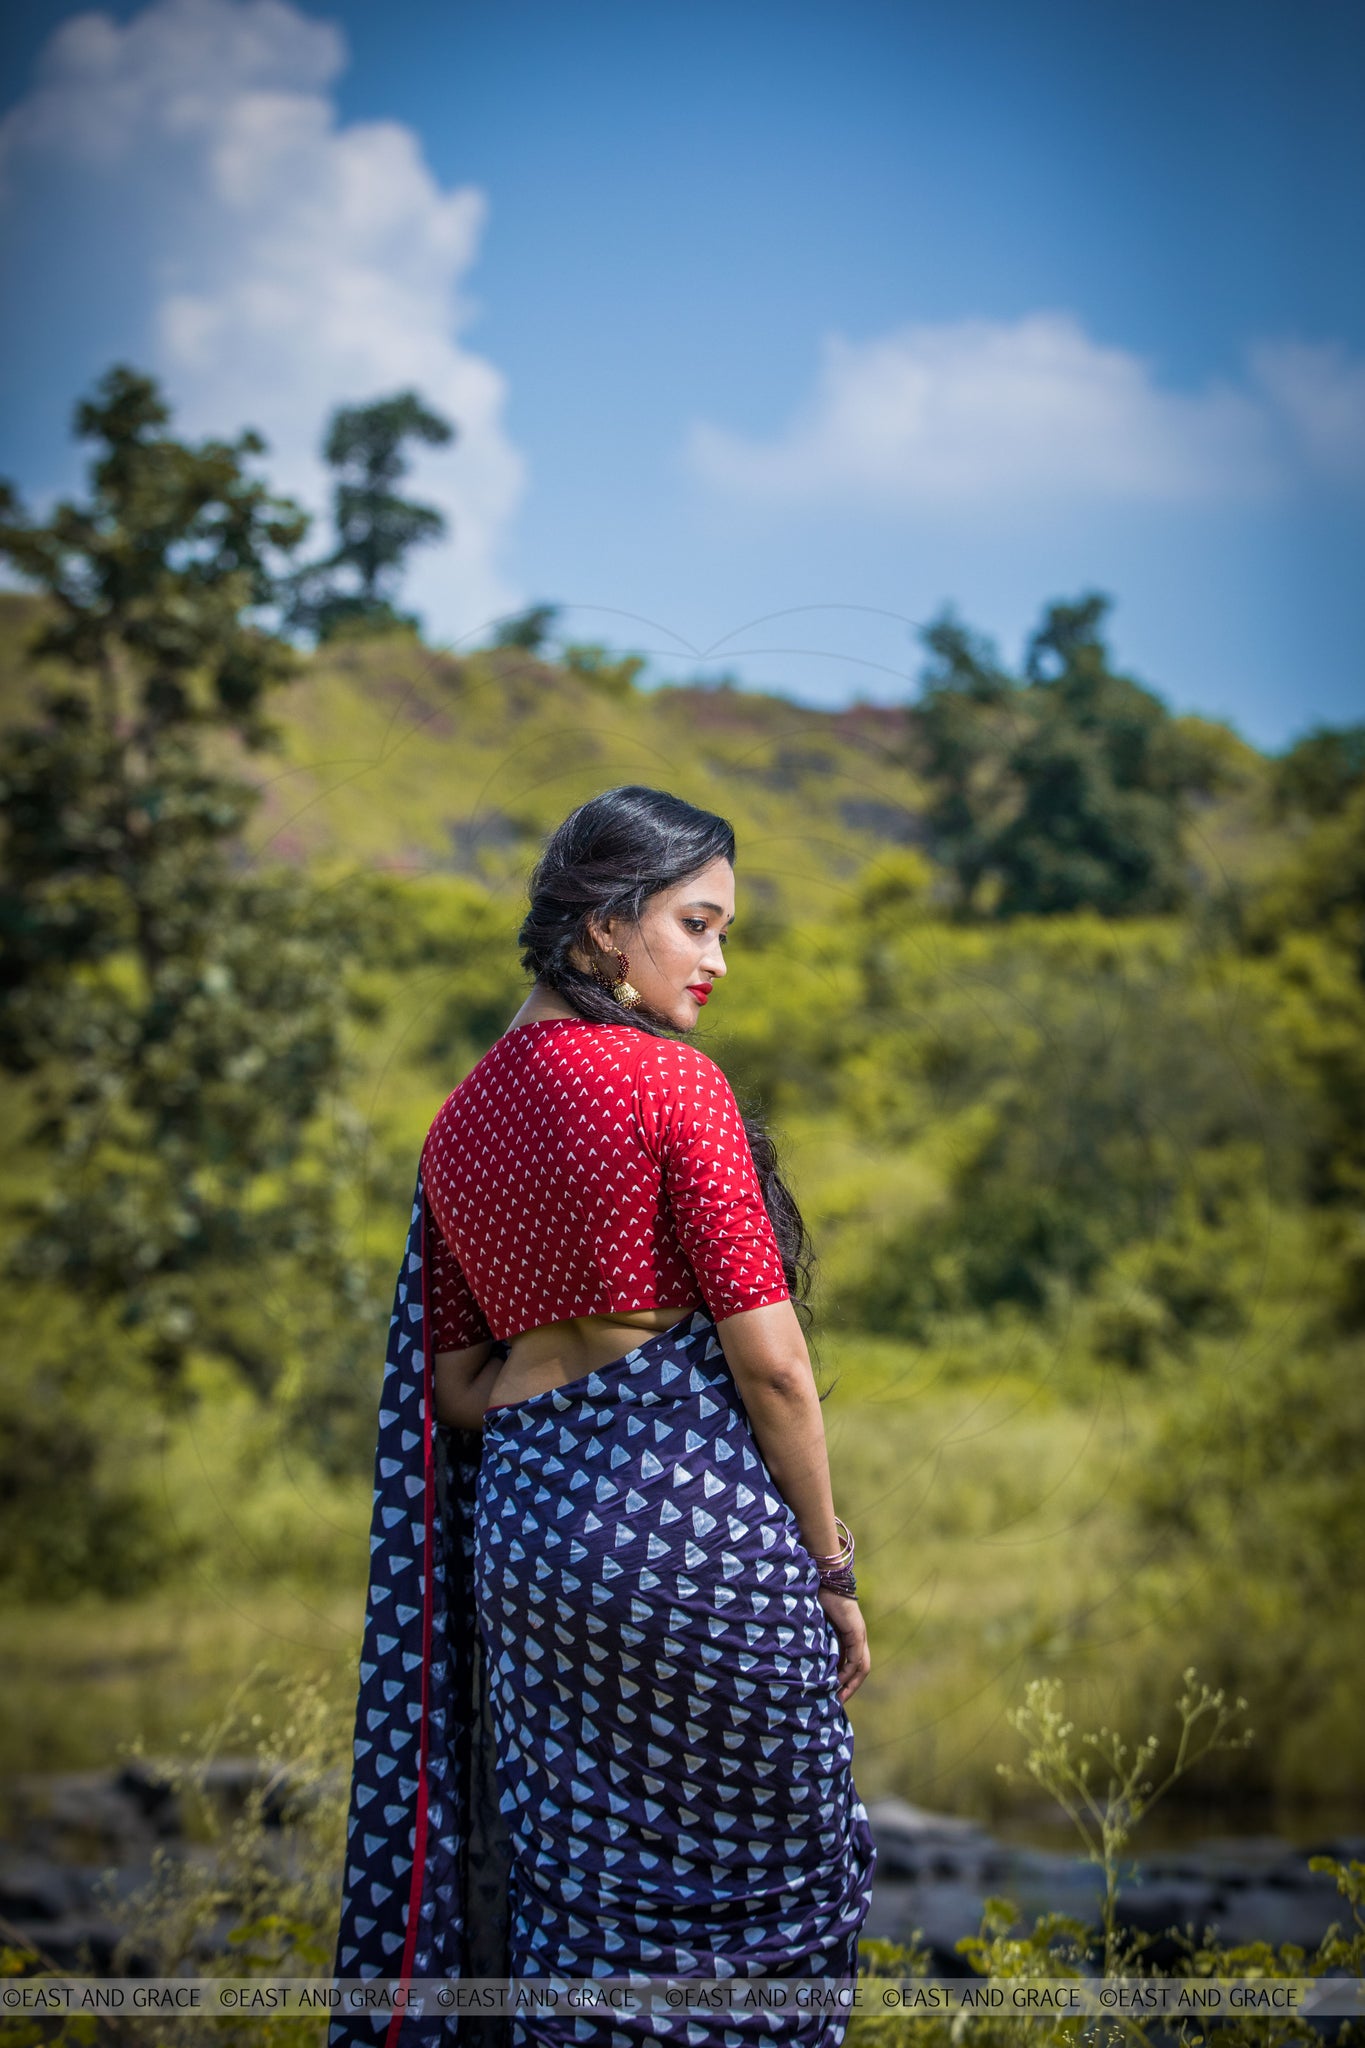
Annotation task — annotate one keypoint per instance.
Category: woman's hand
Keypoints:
(855, 1660)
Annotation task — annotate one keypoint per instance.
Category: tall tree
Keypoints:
(174, 1014)
(354, 587)
(160, 584)
(1060, 790)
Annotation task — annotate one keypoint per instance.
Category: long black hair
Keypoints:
(606, 860)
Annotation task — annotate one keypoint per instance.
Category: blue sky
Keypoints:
(769, 329)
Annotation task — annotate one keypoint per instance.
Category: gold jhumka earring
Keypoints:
(627, 996)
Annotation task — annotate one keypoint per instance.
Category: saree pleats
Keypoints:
(674, 1759)
(598, 1731)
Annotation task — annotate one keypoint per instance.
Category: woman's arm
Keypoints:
(464, 1381)
(765, 1349)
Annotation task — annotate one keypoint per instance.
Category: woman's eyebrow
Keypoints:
(697, 904)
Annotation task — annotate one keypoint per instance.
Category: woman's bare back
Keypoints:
(558, 1352)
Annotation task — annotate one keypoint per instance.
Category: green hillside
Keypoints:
(422, 761)
(399, 757)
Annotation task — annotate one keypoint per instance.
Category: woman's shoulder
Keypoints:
(676, 1056)
(673, 1068)
(466, 1091)
(503, 1066)
(657, 1062)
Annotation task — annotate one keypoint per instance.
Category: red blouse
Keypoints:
(582, 1168)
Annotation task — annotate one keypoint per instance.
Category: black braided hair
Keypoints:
(606, 860)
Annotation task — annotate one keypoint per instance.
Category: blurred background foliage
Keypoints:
(1056, 1000)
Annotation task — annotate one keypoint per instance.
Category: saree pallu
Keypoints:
(601, 1736)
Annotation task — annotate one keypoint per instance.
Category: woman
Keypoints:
(605, 1734)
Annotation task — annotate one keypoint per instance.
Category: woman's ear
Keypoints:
(601, 935)
(587, 955)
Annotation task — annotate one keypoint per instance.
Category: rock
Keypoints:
(50, 1909)
(33, 1890)
(152, 1792)
(913, 1843)
(918, 1824)
(78, 1814)
(935, 1871)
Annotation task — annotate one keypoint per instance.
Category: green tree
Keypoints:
(967, 721)
(159, 583)
(1321, 772)
(172, 1018)
(1060, 791)
(1087, 1109)
(530, 629)
(1308, 918)
(156, 589)
(590, 662)
(353, 588)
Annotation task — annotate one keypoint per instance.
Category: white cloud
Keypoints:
(1319, 393)
(979, 413)
(293, 263)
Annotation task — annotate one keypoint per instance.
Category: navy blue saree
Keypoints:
(598, 1731)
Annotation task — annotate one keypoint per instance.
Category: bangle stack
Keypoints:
(836, 1570)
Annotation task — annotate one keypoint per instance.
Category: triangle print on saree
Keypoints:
(625, 1639)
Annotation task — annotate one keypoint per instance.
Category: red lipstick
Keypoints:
(701, 990)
